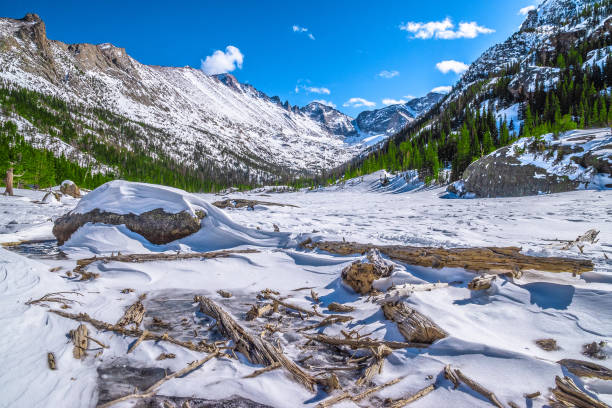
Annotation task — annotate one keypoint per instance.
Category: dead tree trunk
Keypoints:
(487, 259)
(414, 326)
(9, 182)
(254, 348)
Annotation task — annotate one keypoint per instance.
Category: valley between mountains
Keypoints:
(172, 238)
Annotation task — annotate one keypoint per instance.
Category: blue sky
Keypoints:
(336, 51)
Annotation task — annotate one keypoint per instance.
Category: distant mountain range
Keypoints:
(197, 120)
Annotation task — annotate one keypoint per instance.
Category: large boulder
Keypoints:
(160, 214)
(69, 188)
(580, 159)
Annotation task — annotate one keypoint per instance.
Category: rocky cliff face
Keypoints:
(580, 159)
(333, 120)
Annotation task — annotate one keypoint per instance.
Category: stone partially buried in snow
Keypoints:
(580, 159)
(69, 188)
(160, 214)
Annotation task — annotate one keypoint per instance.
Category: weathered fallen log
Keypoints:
(399, 292)
(378, 360)
(372, 390)
(224, 293)
(450, 375)
(255, 373)
(485, 259)
(135, 332)
(481, 282)
(411, 398)
(360, 275)
(51, 361)
(241, 202)
(478, 388)
(329, 320)
(333, 400)
(149, 392)
(589, 236)
(138, 341)
(339, 308)
(255, 349)
(133, 315)
(83, 263)
(312, 312)
(259, 311)
(568, 393)
(414, 326)
(586, 369)
(80, 341)
(547, 344)
(363, 342)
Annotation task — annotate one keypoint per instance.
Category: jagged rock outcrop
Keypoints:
(157, 226)
(530, 166)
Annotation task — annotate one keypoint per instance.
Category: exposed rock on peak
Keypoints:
(391, 119)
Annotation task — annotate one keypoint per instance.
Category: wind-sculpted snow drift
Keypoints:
(148, 214)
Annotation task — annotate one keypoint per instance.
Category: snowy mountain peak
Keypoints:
(393, 118)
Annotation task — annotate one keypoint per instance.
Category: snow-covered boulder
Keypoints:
(160, 214)
(68, 187)
(579, 159)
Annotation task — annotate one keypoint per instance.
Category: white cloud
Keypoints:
(390, 101)
(312, 89)
(357, 102)
(388, 74)
(442, 89)
(324, 102)
(298, 29)
(222, 62)
(409, 97)
(444, 29)
(525, 10)
(451, 65)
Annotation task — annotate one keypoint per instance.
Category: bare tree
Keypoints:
(9, 181)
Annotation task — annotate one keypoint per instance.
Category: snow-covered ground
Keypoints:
(491, 333)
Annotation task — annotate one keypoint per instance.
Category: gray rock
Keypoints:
(567, 163)
(157, 226)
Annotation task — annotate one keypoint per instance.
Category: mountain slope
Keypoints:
(554, 74)
(393, 118)
(206, 120)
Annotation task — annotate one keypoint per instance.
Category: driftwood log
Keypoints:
(478, 388)
(399, 292)
(361, 274)
(378, 360)
(80, 341)
(135, 332)
(414, 326)
(482, 282)
(485, 259)
(83, 263)
(402, 402)
(133, 315)
(363, 343)
(568, 394)
(340, 308)
(241, 202)
(256, 349)
(586, 369)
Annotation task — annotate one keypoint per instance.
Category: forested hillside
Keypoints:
(571, 88)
